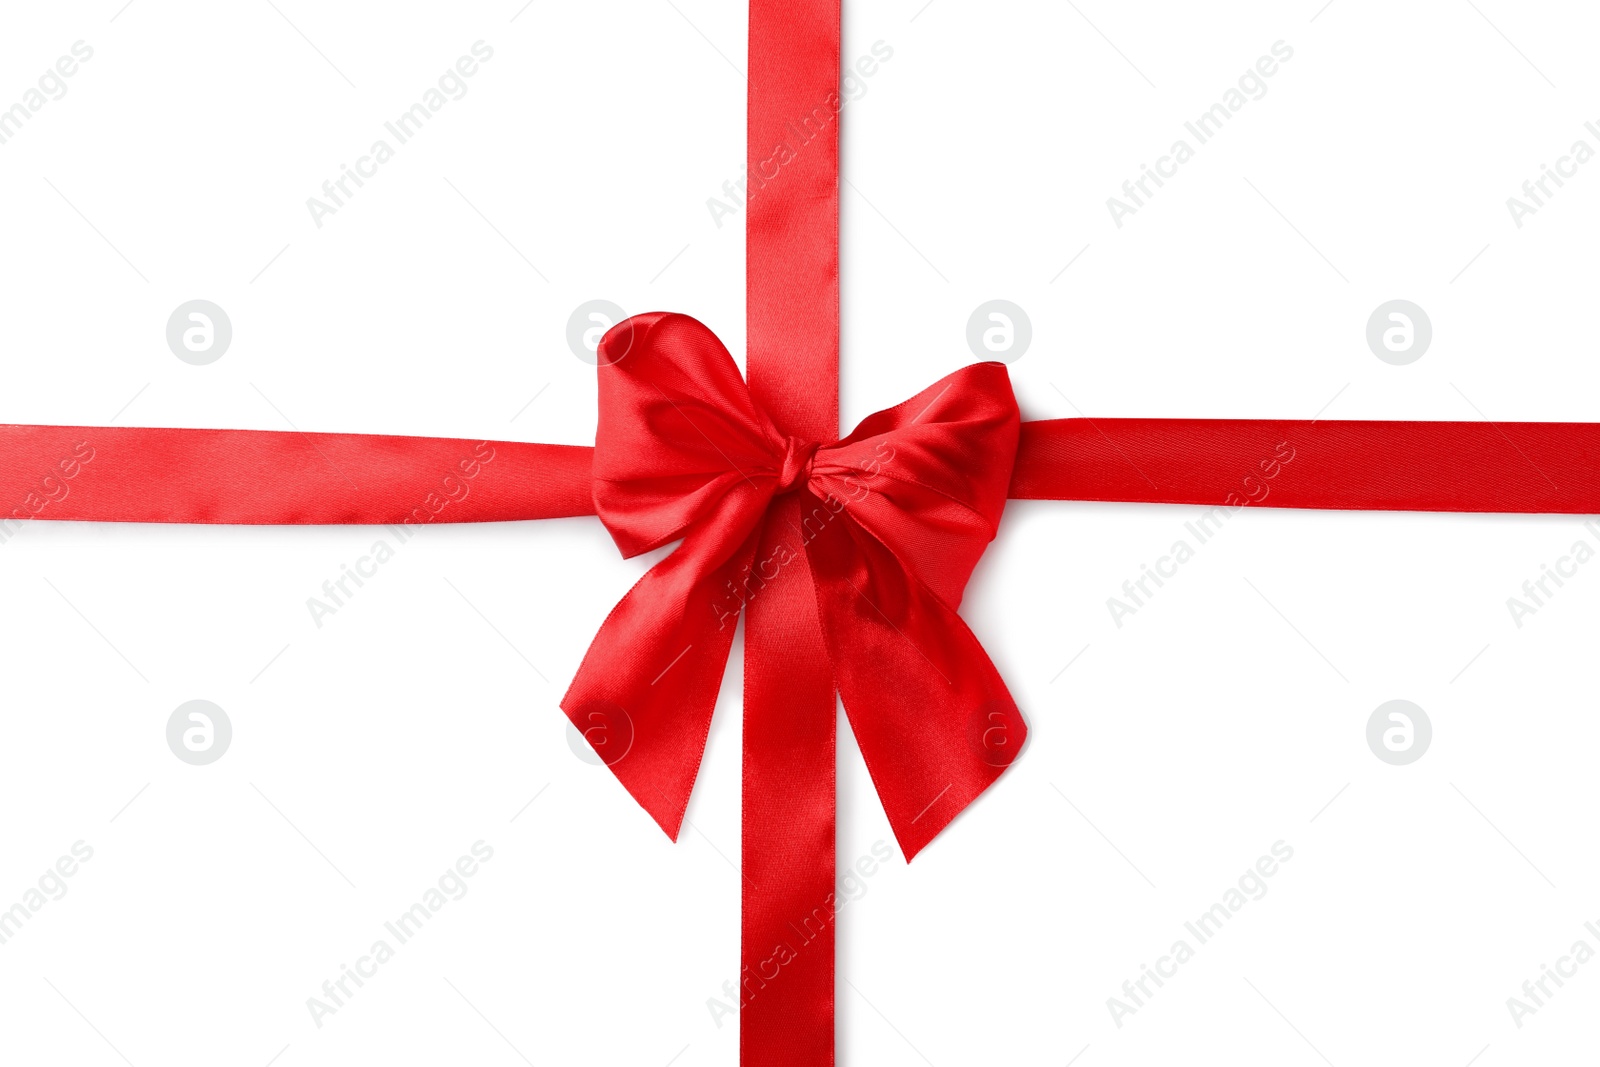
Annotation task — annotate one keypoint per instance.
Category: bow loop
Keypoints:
(678, 433)
(891, 519)
(928, 477)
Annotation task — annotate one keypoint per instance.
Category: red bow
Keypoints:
(893, 519)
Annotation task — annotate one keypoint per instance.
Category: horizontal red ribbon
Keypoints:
(269, 477)
(1528, 467)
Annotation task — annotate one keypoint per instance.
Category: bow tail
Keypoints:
(644, 694)
(788, 837)
(935, 722)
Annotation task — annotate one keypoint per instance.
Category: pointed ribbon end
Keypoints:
(995, 737)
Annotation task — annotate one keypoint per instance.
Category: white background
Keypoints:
(1228, 714)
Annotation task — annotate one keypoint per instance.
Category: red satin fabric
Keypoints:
(267, 477)
(884, 529)
(1387, 466)
(260, 477)
(790, 711)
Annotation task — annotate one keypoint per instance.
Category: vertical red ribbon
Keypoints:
(792, 325)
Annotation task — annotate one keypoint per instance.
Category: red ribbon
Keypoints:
(792, 359)
(846, 559)
(276, 478)
(881, 530)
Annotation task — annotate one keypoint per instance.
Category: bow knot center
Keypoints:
(796, 468)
